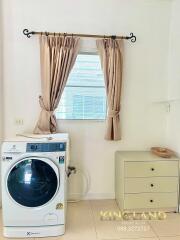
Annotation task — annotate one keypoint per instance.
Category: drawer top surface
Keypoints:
(143, 156)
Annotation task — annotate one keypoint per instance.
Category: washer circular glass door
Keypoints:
(33, 182)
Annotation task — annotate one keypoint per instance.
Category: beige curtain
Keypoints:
(110, 51)
(57, 56)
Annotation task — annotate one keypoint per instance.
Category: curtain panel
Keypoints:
(57, 57)
(110, 51)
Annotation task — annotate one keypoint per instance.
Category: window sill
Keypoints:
(81, 120)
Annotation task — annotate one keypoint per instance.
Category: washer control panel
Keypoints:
(46, 147)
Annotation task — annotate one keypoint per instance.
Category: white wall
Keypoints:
(1, 91)
(173, 130)
(143, 123)
(1, 79)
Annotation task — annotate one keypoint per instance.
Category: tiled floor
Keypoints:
(84, 223)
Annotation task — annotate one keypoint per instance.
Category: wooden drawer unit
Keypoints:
(150, 200)
(144, 181)
(152, 184)
(151, 168)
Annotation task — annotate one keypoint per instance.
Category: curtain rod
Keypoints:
(28, 33)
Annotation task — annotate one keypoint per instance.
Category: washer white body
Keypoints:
(35, 168)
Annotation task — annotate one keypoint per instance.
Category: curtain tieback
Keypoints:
(113, 113)
(43, 106)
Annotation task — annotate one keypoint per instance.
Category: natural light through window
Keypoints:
(84, 95)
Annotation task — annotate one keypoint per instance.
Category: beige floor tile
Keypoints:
(170, 238)
(102, 205)
(168, 227)
(134, 239)
(134, 229)
(53, 238)
(80, 223)
(118, 229)
(173, 216)
(67, 237)
(104, 229)
(18, 238)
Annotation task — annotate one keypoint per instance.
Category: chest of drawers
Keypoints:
(145, 182)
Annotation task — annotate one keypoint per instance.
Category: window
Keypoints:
(84, 96)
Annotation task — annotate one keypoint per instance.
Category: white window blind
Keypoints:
(84, 95)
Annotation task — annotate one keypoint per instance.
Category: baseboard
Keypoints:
(91, 196)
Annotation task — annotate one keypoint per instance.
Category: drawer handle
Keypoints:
(152, 185)
(152, 169)
(151, 201)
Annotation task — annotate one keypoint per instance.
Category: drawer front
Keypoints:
(150, 200)
(151, 169)
(151, 184)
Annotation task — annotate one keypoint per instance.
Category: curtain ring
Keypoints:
(105, 40)
(47, 34)
(72, 38)
(113, 37)
(54, 34)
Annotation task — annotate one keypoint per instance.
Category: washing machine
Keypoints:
(34, 185)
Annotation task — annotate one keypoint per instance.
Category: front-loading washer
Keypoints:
(34, 185)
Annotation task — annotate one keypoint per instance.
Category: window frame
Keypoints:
(91, 120)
